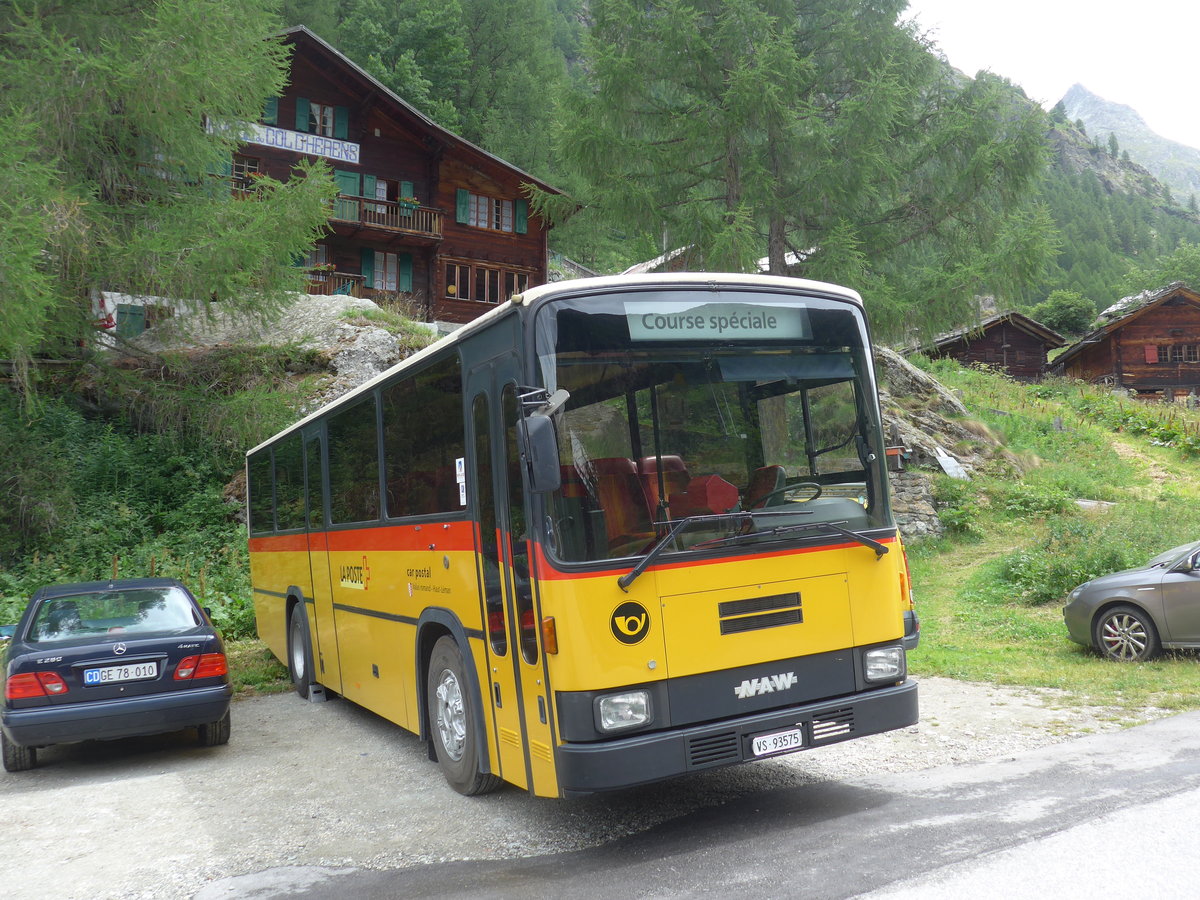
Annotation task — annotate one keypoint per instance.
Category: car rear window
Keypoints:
(129, 611)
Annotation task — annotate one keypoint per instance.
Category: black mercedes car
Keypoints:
(111, 659)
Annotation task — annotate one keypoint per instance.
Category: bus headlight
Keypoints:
(615, 712)
(884, 664)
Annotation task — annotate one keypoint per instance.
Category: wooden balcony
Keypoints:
(328, 283)
(402, 218)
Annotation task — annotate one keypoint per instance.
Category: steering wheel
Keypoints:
(787, 489)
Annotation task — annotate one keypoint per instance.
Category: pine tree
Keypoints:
(114, 182)
(818, 134)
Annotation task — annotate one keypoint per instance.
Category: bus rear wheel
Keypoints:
(455, 733)
(299, 651)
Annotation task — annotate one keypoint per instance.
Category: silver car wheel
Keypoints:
(1124, 636)
(450, 716)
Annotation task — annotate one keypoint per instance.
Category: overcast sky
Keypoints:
(1136, 53)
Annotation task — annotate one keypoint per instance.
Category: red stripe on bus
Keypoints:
(453, 536)
(547, 572)
(279, 543)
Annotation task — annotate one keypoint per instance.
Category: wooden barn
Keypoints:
(422, 214)
(1148, 343)
(1014, 343)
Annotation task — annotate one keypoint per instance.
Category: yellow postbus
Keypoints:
(613, 531)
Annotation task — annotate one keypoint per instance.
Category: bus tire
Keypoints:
(453, 729)
(299, 651)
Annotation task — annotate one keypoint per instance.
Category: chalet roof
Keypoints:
(653, 265)
(1035, 329)
(1122, 313)
(414, 117)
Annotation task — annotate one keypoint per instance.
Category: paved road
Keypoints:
(328, 800)
(1107, 814)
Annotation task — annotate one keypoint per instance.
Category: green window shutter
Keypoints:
(406, 189)
(271, 111)
(521, 216)
(368, 267)
(131, 320)
(368, 186)
(347, 182)
(462, 206)
(301, 114)
(405, 280)
(341, 122)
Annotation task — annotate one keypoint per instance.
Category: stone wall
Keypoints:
(912, 505)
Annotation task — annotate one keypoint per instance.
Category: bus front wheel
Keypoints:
(299, 651)
(455, 732)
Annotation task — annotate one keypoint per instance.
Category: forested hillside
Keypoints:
(827, 138)
(1110, 213)
(592, 99)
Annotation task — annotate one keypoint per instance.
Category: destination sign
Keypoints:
(674, 321)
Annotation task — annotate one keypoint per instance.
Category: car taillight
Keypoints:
(52, 682)
(211, 665)
(34, 684)
(205, 666)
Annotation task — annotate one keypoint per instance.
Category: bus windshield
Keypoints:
(752, 413)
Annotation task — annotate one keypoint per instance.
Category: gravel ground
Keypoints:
(330, 786)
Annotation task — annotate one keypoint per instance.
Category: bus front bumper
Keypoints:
(639, 759)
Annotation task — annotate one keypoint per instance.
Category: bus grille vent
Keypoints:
(713, 749)
(757, 613)
(836, 723)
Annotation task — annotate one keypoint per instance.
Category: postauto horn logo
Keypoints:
(630, 622)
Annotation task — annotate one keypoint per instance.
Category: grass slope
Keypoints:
(990, 594)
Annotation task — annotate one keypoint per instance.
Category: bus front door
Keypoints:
(516, 684)
(325, 658)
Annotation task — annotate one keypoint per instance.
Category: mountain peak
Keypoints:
(1080, 103)
(1175, 164)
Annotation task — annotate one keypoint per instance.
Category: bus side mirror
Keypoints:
(539, 441)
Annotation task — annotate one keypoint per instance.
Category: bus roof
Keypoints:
(544, 292)
(684, 279)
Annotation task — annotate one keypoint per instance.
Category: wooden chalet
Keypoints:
(422, 214)
(1011, 342)
(1148, 343)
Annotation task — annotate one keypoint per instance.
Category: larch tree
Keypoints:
(121, 121)
(823, 135)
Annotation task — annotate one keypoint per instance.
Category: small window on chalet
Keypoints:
(492, 213)
(487, 212)
(1193, 353)
(320, 119)
(245, 170)
(1162, 354)
(1177, 353)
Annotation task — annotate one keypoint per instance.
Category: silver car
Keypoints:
(1133, 615)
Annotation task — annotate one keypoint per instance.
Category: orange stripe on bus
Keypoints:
(443, 536)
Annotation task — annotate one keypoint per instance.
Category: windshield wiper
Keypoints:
(677, 528)
(755, 536)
